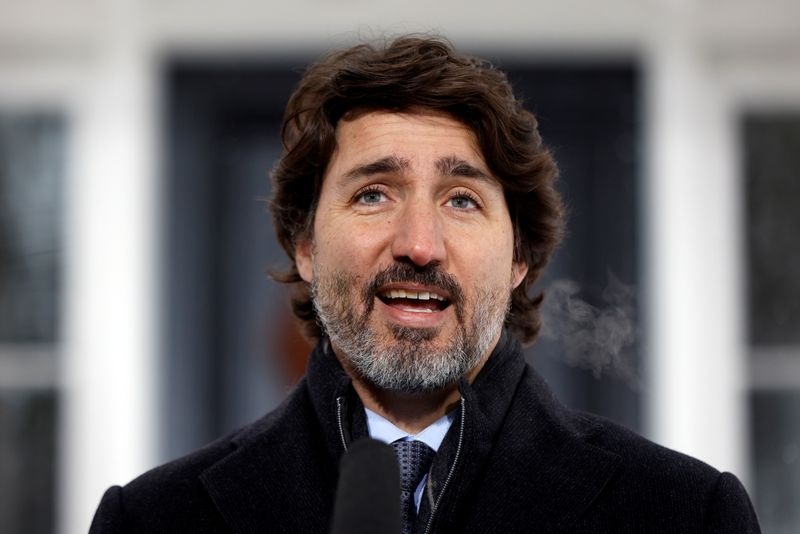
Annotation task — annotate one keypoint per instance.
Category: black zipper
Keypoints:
(452, 469)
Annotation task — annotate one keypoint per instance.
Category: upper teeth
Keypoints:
(408, 294)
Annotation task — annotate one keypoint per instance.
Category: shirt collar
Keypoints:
(382, 429)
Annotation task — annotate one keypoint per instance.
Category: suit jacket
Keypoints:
(514, 460)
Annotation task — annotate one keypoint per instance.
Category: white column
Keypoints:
(109, 420)
(692, 244)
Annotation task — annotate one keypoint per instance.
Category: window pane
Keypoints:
(31, 167)
(772, 147)
(28, 422)
(776, 456)
(772, 164)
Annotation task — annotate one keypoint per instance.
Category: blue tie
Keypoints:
(415, 459)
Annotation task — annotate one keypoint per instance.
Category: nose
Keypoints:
(419, 235)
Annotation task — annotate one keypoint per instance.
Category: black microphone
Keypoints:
(368, 494)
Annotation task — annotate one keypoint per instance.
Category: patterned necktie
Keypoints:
(415, 459)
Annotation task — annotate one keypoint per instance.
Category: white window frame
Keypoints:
(103, 365)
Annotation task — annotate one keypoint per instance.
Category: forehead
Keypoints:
(416, 136)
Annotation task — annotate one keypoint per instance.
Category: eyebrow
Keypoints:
(453, 166)
(389, 164)
(447, 166)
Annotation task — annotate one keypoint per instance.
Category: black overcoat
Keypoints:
(514, 460)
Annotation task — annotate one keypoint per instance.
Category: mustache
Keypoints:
(431, 275)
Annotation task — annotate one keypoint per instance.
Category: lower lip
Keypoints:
(411, 319)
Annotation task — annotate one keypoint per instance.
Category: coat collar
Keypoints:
(288, 460)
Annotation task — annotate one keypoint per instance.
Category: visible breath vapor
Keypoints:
(593, 337)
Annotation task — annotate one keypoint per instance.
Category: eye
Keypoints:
(371, 195)
(463, 200)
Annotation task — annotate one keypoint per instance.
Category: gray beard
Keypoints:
(408, 360)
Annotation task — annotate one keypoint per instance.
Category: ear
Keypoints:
(303, 258)
(518, 272)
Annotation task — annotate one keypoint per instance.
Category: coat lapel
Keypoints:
(542, 471)
(278, 470)
(282, 477)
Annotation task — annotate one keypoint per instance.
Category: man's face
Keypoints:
(411, 261)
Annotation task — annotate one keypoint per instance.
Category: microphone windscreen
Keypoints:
(368, 493)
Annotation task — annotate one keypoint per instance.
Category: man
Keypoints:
(415, 199)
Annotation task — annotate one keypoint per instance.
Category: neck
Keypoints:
(411, 413)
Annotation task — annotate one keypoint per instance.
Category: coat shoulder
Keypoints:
(637, 454)
(172, 497)
(651, 488)
(672, 490)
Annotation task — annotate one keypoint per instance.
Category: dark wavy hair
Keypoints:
(406, 74)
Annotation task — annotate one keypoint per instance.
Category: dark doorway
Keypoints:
(226, 322)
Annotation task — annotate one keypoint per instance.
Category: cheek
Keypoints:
(344, 250)
(359, 239)
(495, 267)
(489, 269)
(499, 243)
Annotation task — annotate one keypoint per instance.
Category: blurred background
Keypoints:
(136, 137)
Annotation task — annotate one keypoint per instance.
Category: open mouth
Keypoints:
(421, 301)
